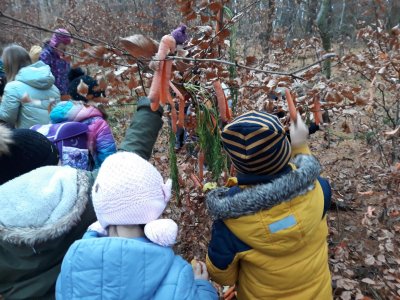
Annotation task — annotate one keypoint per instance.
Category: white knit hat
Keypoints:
(130, 191)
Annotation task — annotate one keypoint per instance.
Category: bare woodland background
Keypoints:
(279, 42)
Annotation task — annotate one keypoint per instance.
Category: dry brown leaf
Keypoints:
(367, 193)
(132, 83)
(224, 34)
(102, 83)
(368, 281)
(139, 45)
(369, 260)
(215, 6)
(82, 89)
(391, 133)
(204, 18)
(251, 61)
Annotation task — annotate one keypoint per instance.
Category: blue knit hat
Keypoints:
(257, 143)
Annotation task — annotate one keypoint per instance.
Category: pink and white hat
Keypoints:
(130, 191)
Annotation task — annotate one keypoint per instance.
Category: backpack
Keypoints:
(71, 140)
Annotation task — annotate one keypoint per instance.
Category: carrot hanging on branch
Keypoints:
(222, 102)
(181, 119)
(317, 112)
(291, 106)
(159, 88)
(173, 112)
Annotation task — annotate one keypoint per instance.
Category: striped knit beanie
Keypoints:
(257, 143)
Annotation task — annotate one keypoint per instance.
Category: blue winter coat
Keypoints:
(37, 81)
(120, 268)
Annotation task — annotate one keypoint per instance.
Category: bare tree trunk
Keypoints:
(311, 15)
(394, 14)
(342, 16)
(324, 22)
(267, 19)
(159, 17)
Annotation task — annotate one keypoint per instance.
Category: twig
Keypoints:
(141, 79)
(44, 29)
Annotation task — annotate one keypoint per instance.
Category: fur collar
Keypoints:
(265, 196)
(52, 202)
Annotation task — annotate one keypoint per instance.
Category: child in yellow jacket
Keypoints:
(269, 232)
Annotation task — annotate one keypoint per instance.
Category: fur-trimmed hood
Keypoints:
(265, 196)
(43, 204)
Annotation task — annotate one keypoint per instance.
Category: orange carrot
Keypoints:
(154, 93)
(317, 112)
(158, 89)
(227, 110)
(181, 119)
(291, 106)
(166, 79)
(176, 90)
(201, 165)
(173, 112)
(221, 100)
(196, 181)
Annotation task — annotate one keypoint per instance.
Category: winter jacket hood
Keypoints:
(36, 81)
(42, 213)
(251, 200)
(55, 204)
(122, 268)
(73, 111)
(37, 75)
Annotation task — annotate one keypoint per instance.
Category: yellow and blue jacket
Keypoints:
(269, 236)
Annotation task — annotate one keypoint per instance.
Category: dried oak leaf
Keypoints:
(139, 45)
(83, 88)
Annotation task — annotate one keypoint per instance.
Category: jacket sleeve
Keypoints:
(223, 254)
(45, 56)
(143, 131)
(105, 143)
(189, 288)
(303, 149)
(9, 107)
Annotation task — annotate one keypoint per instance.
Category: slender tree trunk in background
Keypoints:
(323, 22)
(267, 19)
(342, 16)
(159, 23)
(311, 16)
(394, 14)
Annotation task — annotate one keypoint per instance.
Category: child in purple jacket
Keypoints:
(53, 54)
(101, 142)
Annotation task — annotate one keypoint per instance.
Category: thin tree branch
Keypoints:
(44, 29)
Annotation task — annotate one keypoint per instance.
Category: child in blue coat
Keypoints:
(127, 254)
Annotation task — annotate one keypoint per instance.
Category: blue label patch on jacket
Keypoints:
(282, 224)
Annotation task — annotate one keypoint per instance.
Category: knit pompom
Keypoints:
(162, 232)
(180, 35)
(5, 139)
